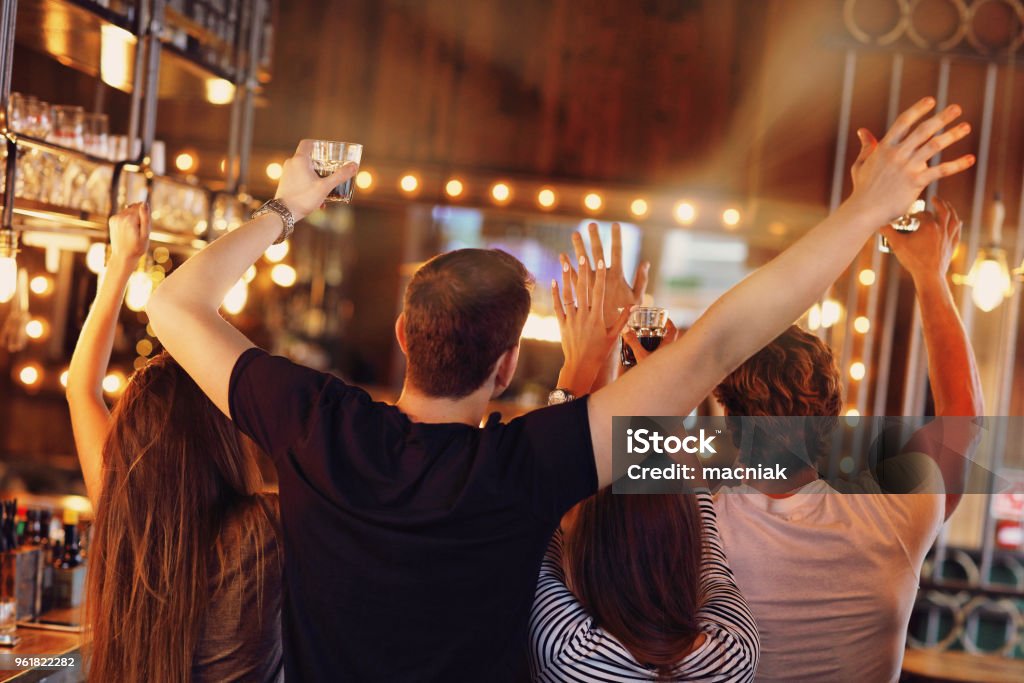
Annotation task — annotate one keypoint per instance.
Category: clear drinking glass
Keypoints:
(8, 615)
(17, 112)
(649, 324)
(69, 126)
(328, 156)
(97, 127)
(40, 119)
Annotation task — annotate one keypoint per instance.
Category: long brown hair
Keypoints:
(633, 561)
(174, 470)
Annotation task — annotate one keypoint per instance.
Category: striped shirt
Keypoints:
(566, 645)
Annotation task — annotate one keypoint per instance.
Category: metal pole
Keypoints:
(842, 133)
(248, 111)
(913, 383)
(8, 21)
(877, 265)
(152, 40)
(975, 228)
(138, 77)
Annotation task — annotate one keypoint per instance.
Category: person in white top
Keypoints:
(831, 579)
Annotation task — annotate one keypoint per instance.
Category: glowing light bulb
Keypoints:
(857, 370)
(409, 183)
(276, 252)
(144, 347)
(274, 170)
(862, 324)
(140, 287)
(593, 201)
(30, 374)
(639, 208)
(831, 312)
(113, 383)
(501, 192)
(546, 198)
(852, 416)
(283, 275)
(866, 277)
(35, 329)
(250, 274)
(219, 91)
(41, 285)
(454, 187)
(685, 213)
(814, 317)
(96, 257)
(64, 379)
(234, 300)
(990, 279)
(185, 162)
(731, 218)
(364, 180)
(8, 278)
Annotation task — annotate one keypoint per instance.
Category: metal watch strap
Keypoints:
(277, 206)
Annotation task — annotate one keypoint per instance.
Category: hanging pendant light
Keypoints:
(989, 277)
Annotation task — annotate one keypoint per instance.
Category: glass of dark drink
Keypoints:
(649, 325)
(328, 156)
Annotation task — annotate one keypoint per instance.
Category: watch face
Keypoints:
(558, 396)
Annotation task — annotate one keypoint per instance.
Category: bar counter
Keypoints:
(37, 643)
(933, 665)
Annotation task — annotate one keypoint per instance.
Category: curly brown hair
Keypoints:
(795, 375)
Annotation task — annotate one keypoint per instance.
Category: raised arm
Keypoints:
(952, 368)
(129, 237)
(184, 309)
(888, 177)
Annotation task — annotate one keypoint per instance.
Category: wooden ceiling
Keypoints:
(624, 92)
(734, 97)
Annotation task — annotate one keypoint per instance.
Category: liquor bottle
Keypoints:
(71, 556)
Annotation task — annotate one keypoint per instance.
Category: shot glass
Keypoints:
(649, 325)
(328, 156)
(908, 222)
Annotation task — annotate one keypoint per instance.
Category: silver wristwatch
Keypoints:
(559, 396)
(278, 207)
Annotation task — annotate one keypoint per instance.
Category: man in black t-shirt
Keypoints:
(413, 535)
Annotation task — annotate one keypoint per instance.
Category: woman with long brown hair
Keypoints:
(184, 567)
(634, 587)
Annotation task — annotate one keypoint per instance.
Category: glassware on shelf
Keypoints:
(97, 129)
(69, 126)
(180, 208)
(29, 115)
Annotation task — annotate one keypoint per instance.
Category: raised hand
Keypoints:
(620, 295)
(129, 233)
(889, 174)
(301, 189)
(928, 251)
(586, 341)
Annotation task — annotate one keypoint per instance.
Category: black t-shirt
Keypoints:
(411, 550)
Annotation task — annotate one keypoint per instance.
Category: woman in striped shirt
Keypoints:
(635, 588)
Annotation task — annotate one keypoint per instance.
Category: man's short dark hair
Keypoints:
(795, 375)
(463, 310)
